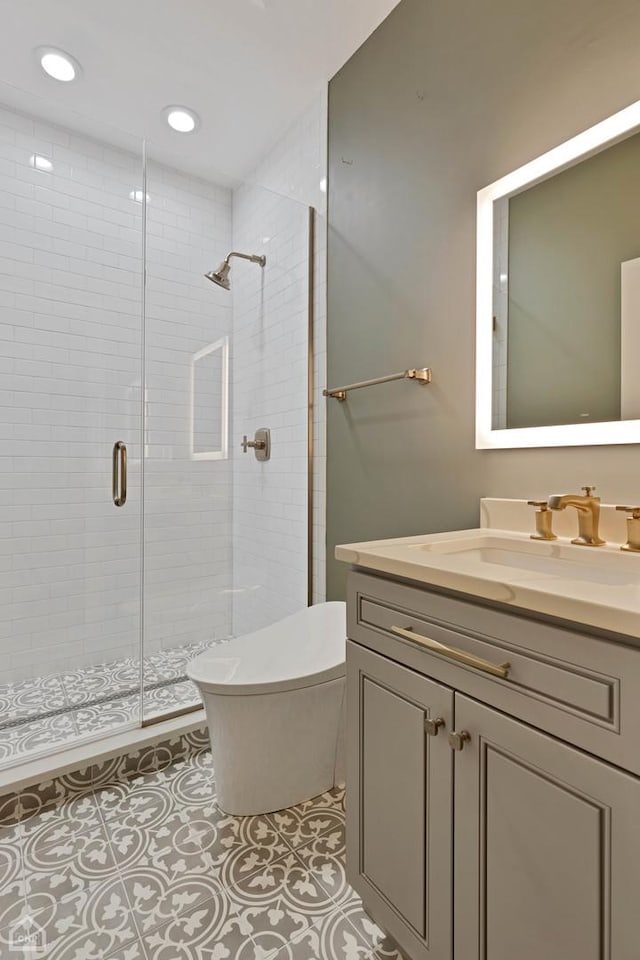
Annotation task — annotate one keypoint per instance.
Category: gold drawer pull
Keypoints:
(460, 656)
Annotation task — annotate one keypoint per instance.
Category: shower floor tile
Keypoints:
(27, 698)
(152, 869)
(55, 710)
(33, 736)
(104, 680)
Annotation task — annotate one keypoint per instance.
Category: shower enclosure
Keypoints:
(135, 531)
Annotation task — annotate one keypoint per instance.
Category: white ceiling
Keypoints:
(247, 67)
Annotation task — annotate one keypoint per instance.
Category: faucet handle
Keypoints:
(633, 529)
(588, 491)
(635, 511)
(544, 519)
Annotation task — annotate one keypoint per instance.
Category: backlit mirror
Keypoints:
(558, 288)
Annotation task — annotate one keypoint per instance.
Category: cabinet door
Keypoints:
(399, 801)
(547, 847)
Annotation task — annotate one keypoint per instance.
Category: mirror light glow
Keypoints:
(565, 435)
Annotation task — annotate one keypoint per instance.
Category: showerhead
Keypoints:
(221, 275)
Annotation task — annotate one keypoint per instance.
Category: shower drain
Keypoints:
(96, 702)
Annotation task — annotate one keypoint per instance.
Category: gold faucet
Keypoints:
(588, 508)
(544, 516)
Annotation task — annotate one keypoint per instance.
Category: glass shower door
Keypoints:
(187, 512)
(225, 535)
(71, 360)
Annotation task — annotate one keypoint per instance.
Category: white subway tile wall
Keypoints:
(70, 322)
(296, 167)
(269, 375)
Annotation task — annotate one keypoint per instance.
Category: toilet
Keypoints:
(275, 706)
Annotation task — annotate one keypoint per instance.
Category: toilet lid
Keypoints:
(305, 648)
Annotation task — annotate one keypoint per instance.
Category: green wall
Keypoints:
(444, 98)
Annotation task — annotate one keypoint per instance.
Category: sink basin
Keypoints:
(566, 561)
(498, 561)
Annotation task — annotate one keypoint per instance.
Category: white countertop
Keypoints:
(598, 587)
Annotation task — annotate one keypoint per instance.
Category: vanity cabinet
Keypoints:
(399, 829)
(513, 843)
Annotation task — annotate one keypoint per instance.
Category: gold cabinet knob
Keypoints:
(458, 740)
(432, 726)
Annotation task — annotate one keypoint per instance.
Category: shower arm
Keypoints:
(252, 257)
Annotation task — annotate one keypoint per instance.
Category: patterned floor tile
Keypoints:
(115, 713)
(33, 736)
(382, 947)
(60, 821)
(210, 930)
(175, 696)
(280, 901)
(148, 867)
(85, 921)
(151, 797)
(28, 698)
(132, 951)
(9, 818)
(325, 858)
(170, 663)
(12, 882)
(55, 871)
(108, 716)
(164, 892)
(103, 679)
(61, 790)
(239, 847)
(303, 823)
(77, 689)
(333, 938)
(121, 770)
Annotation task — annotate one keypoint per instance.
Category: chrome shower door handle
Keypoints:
(119, 474)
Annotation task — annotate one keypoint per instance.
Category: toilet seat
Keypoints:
(302, 650)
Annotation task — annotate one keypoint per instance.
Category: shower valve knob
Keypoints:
(251, 444)
(261, 444)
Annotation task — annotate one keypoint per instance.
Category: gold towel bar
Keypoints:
(422, 376)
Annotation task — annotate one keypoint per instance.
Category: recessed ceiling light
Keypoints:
(181, 119)
(137, 195)
(58, 64)
(41, 163)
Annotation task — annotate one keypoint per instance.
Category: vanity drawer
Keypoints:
(575, 685)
